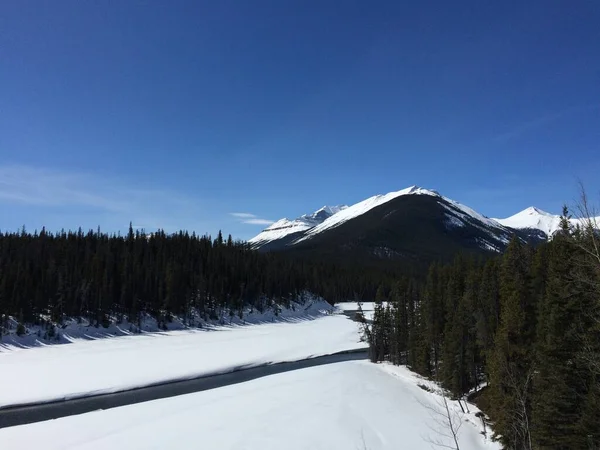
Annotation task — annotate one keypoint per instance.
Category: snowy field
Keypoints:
(345, 406)
(114, 364)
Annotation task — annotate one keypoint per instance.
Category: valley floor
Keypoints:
(114, 364)
(348, 405)
(345, 405)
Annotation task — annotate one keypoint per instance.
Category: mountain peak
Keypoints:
(285, 227)
(420, 191)
(361, 208)
(390, 225)
(532, 210)
(533, 218)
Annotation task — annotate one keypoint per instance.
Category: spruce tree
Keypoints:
(379, 331)
(512, 365)
(563, 382)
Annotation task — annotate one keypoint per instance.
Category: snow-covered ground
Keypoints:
(74, 329)
(109, 365)
(345, 406)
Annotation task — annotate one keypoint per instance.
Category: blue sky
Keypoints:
(178, 114)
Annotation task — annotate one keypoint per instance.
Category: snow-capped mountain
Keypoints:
(410, 223)
(285, 227)
(360, 208)
(533, 218)
(414, 224)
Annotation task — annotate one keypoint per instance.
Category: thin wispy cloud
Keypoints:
(43, 187)
(259, 222)
(88, 197)
(243, 215)
(542, 121)
(250, 219)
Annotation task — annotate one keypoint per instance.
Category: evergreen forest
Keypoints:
(519, 334)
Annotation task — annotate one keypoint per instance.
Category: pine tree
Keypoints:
(378, 328)
(562, 380)
(512, 366)
(433, 318)
(487, 310)
(401, 324)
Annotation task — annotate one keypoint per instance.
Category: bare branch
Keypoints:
(449, 422)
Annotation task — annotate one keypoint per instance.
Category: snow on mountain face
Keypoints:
(533, 218)
(327, 218)
(321, 214)
(284, 227)
(493, 234)
(360, 208)
(537, 219)
(457, 212)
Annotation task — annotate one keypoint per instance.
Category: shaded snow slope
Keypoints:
(110, 365)
(79, 328)
(349, 405)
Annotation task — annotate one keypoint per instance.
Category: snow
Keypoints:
(453, 221)
(533, 218)
(487, 245)
(109, 365)
(537, 219)
(280, 229)
(361, 208)
(72, 329)
(460, 214)
(353, 306)
(457, 210)
(284, 227)
(326, 211)
(474, 214)
(348, 405)
(311, 225)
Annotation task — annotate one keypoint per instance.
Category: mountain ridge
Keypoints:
(414, 223)
(284, 227)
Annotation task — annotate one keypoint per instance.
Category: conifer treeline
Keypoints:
(527, 324)
(98, 276)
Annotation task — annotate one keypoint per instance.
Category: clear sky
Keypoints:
(176, 114)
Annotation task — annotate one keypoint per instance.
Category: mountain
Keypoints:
(532, 220)
(413, 224)
(282, 230)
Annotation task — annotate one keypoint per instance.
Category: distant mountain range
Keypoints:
(413, 223)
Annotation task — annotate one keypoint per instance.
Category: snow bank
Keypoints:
(350, 405)
(74, 329)
(109, 365)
